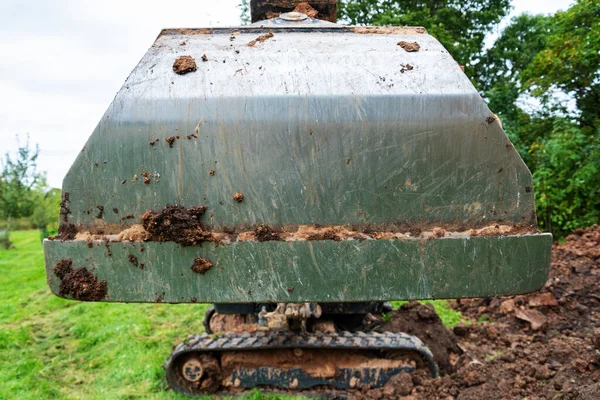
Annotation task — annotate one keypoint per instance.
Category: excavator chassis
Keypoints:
(296, 165)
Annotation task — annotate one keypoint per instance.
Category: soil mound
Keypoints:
(544, 345)
(422, 321)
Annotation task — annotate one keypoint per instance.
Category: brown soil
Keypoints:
(80, 283)
(138, 232)
(260, 39)
(170, 140)
(388, 30)
(100, 214)
(201, 265)
(422, 321)
(64, 206)
(133, 259)
(409, 46)
(305, 8)
(264, 234)
(545, 345)
(135, 233)
(184, 64)
(238, 196)
(66, 232)
(176, 224)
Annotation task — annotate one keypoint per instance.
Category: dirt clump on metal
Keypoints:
(260, 39)
(388, 30)
(184, 65)
(64, 206)
(135, 233)
(201, 265)
(170, 140)
(176, 224)
(79, 283)
(238, 196)
(100, 214)
(263, 233)
(409, 46)
(66, 232)
(134, 260)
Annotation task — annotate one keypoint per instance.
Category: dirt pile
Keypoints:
(422, 321)
(543, 345)
(176, 224)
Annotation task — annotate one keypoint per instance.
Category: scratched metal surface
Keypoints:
(311, 126)
(324, 271)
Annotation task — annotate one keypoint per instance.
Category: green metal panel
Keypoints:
(319, 271)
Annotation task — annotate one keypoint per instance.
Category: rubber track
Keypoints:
(273, 340)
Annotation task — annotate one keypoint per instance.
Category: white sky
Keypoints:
(62, 62)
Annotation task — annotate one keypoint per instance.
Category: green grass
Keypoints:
(449, 317)
(52, 348)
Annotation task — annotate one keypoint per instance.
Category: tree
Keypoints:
(18, 178)
(499, 74)
(567, 178)
(47, 206)
(570, 61)
(461, 26)
(536, 57)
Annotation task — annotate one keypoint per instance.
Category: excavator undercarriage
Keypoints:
(294, 347)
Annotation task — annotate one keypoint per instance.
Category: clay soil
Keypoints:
(79, 283)
(177, 224)
(544, 345)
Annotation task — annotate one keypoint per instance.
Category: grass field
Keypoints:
(52, 348)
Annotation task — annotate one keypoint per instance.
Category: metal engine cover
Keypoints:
(316, 124)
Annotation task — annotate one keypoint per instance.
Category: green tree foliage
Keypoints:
(570, 61)
(536, 57)
(499, 75)
(567, 177)
(461, 26)
(17, 181)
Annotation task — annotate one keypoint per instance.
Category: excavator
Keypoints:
(298, 174)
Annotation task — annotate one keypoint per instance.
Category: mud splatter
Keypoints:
(80, 283)
(184, 65)
(170, 141)
(263, 233)
(409, 46)
(64, 206)
(260, 39)
(100, 212)
(176, 224)
(133, 260)
(66, 232)
(201, 265)
(238, 196)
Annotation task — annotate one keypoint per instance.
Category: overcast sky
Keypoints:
(62, 62)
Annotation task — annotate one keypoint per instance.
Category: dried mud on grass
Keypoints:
(543, 345)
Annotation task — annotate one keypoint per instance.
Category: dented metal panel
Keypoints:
(318, 271)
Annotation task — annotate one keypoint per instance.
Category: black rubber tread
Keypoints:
(274, 340)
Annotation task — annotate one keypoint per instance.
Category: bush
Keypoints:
(567, 178)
